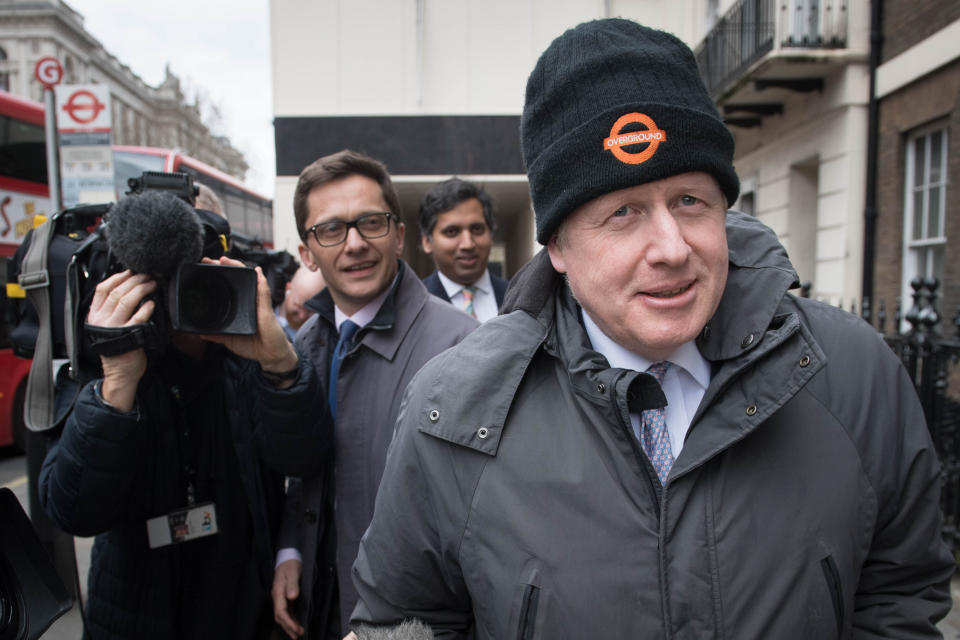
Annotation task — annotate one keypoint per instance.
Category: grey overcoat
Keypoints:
(411, 327)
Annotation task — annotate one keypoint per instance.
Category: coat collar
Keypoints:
(760, 274)
(539, 312)
(448, 406)
(385, 333)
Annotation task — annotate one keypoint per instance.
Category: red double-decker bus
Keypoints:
(24, 199)
(25, 202)
(248, 212)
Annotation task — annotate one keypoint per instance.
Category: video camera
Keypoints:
(156, 230)
(278, 266)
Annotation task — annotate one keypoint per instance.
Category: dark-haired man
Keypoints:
(668, 443)
(375, 326)
(175, 461)
(456, 228)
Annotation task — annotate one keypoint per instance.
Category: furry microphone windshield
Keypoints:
(154, 233)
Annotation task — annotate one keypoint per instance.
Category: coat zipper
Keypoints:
(526, 627)
(832, 576)
(653, 481)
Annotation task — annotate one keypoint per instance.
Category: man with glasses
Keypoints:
(375, 326)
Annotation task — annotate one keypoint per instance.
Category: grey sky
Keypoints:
(219, 47)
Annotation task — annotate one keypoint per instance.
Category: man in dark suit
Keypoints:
(456, 227)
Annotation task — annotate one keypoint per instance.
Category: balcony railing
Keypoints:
(753, 28)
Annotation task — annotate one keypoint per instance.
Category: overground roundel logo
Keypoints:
(651, 136)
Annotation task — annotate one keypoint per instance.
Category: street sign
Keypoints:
(83, 108)
(48, 72)
(86, 155)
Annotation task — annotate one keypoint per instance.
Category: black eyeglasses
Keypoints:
(369, 225)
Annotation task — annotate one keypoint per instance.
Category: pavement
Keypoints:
(950, 626)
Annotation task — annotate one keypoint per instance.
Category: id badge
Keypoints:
(182, 525)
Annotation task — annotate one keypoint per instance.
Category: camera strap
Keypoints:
(34, 278)
(112, 341)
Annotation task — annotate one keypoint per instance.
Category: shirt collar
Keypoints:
(452, 288)
(686, 355)
(369, 311)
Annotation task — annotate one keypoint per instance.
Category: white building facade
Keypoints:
(791, 78)
(433, 88)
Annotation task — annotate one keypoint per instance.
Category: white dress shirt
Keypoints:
(362, 317)
(683, 384)
(484, 300)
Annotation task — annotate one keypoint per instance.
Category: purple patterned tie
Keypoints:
(654, 437)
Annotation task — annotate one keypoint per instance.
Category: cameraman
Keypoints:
(174, 461)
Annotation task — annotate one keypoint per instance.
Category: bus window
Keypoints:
(266, 214)
(246, 211)
(23, 155)
(253, 219)
(130, 165)
(236, 215)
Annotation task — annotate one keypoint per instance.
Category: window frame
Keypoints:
(925, 248)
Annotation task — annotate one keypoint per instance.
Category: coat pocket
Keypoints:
(528, 605)
(832, 576)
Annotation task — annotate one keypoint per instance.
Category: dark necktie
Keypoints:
(347, 329)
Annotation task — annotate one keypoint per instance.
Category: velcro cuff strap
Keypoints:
(112, 341)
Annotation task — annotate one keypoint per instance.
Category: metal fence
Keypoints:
(741, 37)
(753, 28)
(929, 357)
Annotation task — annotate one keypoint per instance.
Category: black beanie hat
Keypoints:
(612, 104)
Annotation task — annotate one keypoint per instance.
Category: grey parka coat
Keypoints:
(804, 503)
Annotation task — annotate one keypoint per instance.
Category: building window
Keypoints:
(924, 207)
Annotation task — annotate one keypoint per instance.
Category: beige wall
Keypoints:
(820, 140)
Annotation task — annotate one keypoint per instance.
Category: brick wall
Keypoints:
(933, 98)
(906, 22)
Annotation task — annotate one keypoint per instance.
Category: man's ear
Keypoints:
(401, 234)
(426, 244)
(306, 257)
(556, 255)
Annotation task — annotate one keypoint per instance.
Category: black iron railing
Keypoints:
(752, 28)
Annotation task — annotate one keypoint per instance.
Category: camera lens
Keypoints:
(11, 615)
(207, 301)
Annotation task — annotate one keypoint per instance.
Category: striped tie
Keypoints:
(654, 437)
(468, 293)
